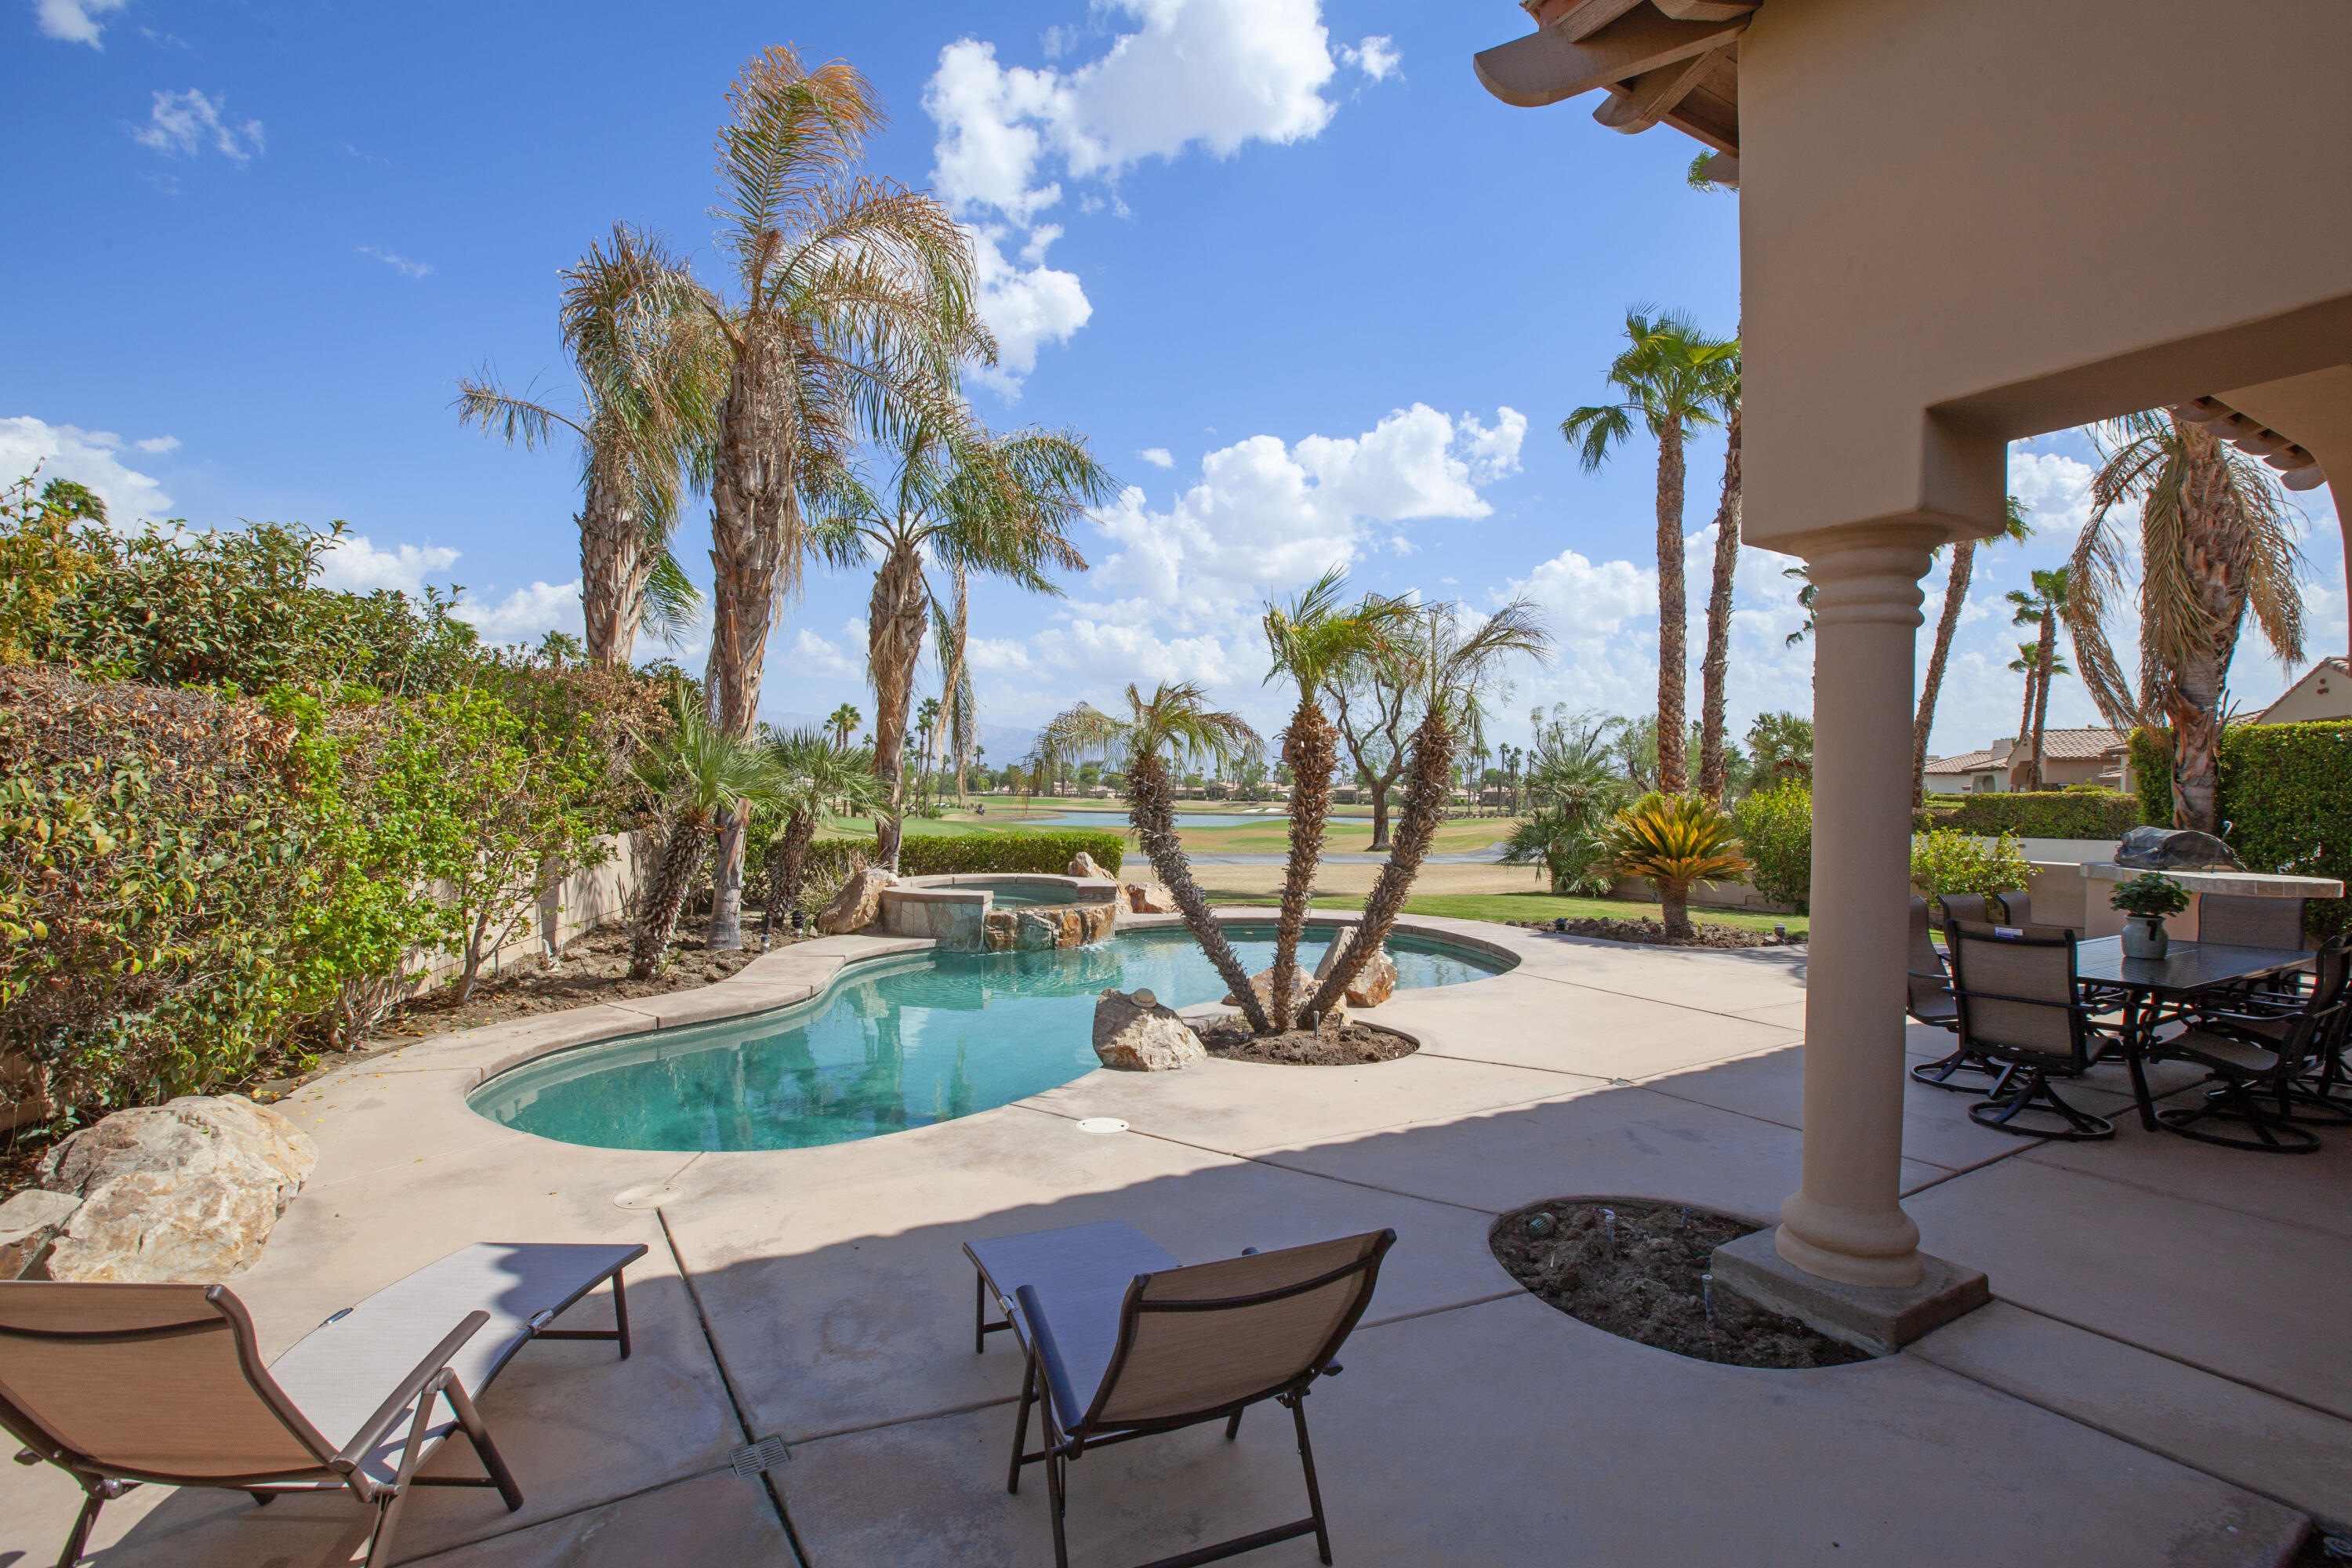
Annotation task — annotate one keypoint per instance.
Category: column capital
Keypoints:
(1867, 577)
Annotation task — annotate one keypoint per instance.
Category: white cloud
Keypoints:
(1158, 457)
(2056, 488)
(158, 444)
(394, 259)
(183, 124)
(356, 566)
(527, 614)
(74, 21)
(1026, 306)
(812, 655)
(1376, 56)
(86, 456)
(1586, 604)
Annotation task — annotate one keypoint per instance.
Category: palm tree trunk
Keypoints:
(896, 617)
(1955, 599)
(787, 869)
(681, 858)
(614, 566)
(2042, 693)
(1713, 774)
(1427, 785)
(1380, 790)
(1152, 811)
(2025, 719)
(1674, 656)
(1673, 907)
(1310, 752)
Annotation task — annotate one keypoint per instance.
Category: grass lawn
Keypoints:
(1545, 906)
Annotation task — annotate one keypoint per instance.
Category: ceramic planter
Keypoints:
(2145, 936)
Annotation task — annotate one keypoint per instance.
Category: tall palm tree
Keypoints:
(2028, 663)
(986, 504)
(2041, 607)
(698, 777)
(852, 308)
(1715, 666)
(650, 379)
(2215, 546)
(815, 779)
(1174, 724)
(844, 721)
(1456, 661)
(2017, 530)
(1676, 379)
(1310, 638)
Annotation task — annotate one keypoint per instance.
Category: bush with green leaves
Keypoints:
(1776, 825)
(2045, 813)
(1948, 861)
(2285, 801)
(1021, 850)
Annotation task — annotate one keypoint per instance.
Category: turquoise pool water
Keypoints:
(902, 1044)
(1018, 896)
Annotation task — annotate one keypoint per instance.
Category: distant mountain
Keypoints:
(1001, 742)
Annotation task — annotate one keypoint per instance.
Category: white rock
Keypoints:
(28, 1223)
(1143, 898)
(1374, 983)
(857, 904)
(1135, 1034)
(1084, 865)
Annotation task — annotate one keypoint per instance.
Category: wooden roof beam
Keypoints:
(1641, 103)
(1544, 68)
(1707, 10)
(1577, 20)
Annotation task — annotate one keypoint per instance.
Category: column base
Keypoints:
(1880, 1319)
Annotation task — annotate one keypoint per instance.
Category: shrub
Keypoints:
(2283, 801)
(1776, 825)
(1951, 861)
(1673, 840)
(2151, 759)
(1023, 849)
(2045, 813)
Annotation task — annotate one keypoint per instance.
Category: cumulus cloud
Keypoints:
(158, 444)
(527, 614)
(354, 565)
(1027, 304)
(86, 456)
(1158, 457)
(813, 655)
(74, 21)
(183, 124)
(398, 262)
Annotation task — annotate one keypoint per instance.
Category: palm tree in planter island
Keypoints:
(815, 781)
(698, 777)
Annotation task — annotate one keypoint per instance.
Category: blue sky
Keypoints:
(1313, 294)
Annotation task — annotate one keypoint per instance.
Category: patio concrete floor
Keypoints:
(2160, 1379)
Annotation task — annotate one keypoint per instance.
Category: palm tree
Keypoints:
(815, 779)
(2215, 545)
(853, 306)
(1676, 379)
(1715, 667)
(649, 383)
(1455, 663)
(1674, 840)
(2041, 605)
(2016, 529)
(2028, 663)
(700, 777)
(994, 504)
(1310, 638)
(1174, 724)
(950, 632)
(1572, 789)
(843, 722)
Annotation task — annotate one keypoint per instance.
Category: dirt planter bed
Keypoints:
(1350, 1045)
(1653, 933)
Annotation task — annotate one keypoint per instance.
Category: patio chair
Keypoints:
(1956, 907)
(2241, 919)
(2261, 1056)
(1189, 1345)
(118, 1384)
(1928, 1000)
(2022, 1008)
(2019, 903)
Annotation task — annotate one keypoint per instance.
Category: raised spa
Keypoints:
(893, 1044)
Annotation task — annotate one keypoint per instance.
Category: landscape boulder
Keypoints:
(1084, 865)
(1145, 900)
(187, 1191)
(29, 1222)
(1374, 983)
(2175, 850)
(1136, 1034)
(857, 904)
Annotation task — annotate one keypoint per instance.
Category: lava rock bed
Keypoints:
(1654, 932)
(1634, 1268)
(1350, 1045)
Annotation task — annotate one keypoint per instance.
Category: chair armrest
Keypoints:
(373, 1429)
(1067, 1411)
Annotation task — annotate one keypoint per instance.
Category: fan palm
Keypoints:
(1572, 789)
(2215, 546)
(2041, 607)
(1676, 379)
(844, 721)
(1673, 841)
(1456, 662)
(814, 780)
(1310, 638)
(698, 777)
(984, 503)
(951, 629)
(649, 383)
(1174, 724)
(2017, 530)
(1714, 665)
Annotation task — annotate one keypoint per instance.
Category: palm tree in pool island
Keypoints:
(698, 778)
(816, 779)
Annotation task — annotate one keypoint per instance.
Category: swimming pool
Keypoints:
(900, 1043)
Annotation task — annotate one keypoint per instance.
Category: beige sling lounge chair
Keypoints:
(119, 1384)
(1175, 1348)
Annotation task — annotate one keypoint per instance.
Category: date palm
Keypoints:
(2016, 529)
(815, 780)
(2028, 663)
(1174, 725)
(979, 502)
(844, 721)
(1673, 841)
(649, 383)
(1676, 379)
(2041, 607)
(2215, 547)
(698, 777)
(1311, 637)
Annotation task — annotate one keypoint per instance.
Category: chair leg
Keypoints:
(1020, 1425)
(1233, 1426)
(1053, 1485)
(620, 1314)
(79, 1536)
(479, 1433)
(2037, 1095)
(1297, 1402)
(979, 1314)
(2235, 1102)
(1939, 1074)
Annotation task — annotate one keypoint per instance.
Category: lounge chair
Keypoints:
(119, 1384)
(1115, 1353)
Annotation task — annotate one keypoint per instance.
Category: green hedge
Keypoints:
(2285, 800)
(2045, 813)
(2151, 761)
(962, 854)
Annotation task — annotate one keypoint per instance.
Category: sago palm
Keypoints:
(815, 779)
(2040, 606)
(2215, 546)
(698, 778)
(1174, 725)
(2017, 530)
(1673, 841)
(1676, 379)
(1311, 637)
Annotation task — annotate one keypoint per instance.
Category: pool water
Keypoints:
(1021, 896)
(902, 1043)
(1116, 821)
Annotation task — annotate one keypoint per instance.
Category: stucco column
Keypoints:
(1845, 1224)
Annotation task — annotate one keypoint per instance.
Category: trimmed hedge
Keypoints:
(2151, 761)
(1021, 850)
(2046, 814)
(2285, 799)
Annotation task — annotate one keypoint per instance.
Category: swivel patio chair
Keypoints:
(1184, 1346)
(2262, 1058)
(1953, 908)
(120, 1384)
(2022, 1008)
(2246, 920)
(1927, 999)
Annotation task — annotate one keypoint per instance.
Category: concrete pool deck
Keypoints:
(2158, 1381)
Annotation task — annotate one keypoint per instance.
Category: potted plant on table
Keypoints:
(2146, 900)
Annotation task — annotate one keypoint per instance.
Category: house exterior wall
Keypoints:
(2326, 693)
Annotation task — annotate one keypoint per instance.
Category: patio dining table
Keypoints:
(2150, 985)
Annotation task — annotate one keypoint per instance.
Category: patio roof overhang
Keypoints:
(1670, 62)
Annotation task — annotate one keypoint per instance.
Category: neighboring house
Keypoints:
(2324, 693)
(2087, 756)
